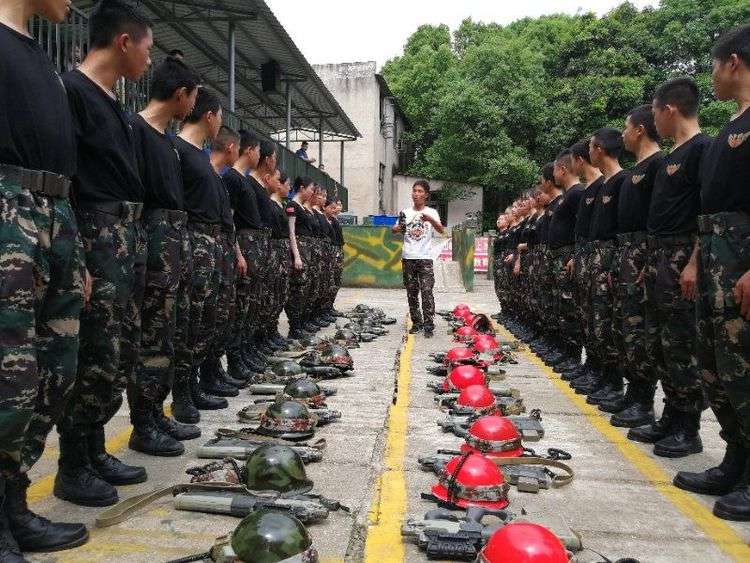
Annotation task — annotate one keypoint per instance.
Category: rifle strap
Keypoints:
(557, 480)
(126, 508)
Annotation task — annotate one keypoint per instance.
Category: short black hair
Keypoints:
(305, 143)
(283, 177)
(735, 41)
(177, 53)
(267, 150)
(424, 184)
(548, 172)
(609, 139)
(681, 93)
(565, 158)
(644, 116)
(206, 101)
(302, 182)
(226, 137)
(248, 140)
(581, 150)
(109, 18)
(171, 75)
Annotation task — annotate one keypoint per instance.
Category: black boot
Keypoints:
(720, 480)
(639, 409)
(147, 437)
(111, 469)
(735, 506)
(9, 550)
(177, 430)
(33, 532)
(651, 433)
(76, 480)
(228, 379)
(212, 383)
(236, 368)
(683, 438)
(590, 383)
(183, 409)
(203, 401)
(611, 391)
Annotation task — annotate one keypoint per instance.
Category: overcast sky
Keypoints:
(337, 31)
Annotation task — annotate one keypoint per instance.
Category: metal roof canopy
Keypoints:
(225, 39)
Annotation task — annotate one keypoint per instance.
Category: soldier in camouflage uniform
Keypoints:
(300, 240)
(281, 256)
(108, 196)
(670, 317)
(337, 251)
(417, 224)
(41, 276)
(318, 265)
(230, 265)
(168, 259)
(721, 265)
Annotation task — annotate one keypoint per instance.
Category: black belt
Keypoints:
(37, 181)
(562, 250)
(668, 241)
(636, 237)
(722, 221)
(603, 244)
(126, 210)
(175, 216)
(262, 232)
(210, 229)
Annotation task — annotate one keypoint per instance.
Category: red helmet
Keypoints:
(524, 542)
(464, 334)
(468, 318)
(493, 436)
(458, 355)
(478, 398)
(472, 480)
(460, 309)
(461, 377)
(485, 343)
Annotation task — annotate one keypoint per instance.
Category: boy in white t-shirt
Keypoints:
(418, 223)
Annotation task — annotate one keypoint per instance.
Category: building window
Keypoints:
(381, 188)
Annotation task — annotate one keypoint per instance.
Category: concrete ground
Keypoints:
(620, 501)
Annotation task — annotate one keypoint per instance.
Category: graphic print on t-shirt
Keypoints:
(416, 230)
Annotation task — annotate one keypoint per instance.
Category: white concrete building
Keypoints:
(371, 161)
(455, 212)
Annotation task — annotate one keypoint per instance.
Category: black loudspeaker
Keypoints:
(270, 76)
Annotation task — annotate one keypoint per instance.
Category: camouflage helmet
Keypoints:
(347, 336)
(338, 356)
(306, 390)
(288, 368)
(276, 468)
(267, 536)
(289, 420)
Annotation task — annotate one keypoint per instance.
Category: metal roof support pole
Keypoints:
(232, 48)
(288, 113)
(341, 172)
(320, 143)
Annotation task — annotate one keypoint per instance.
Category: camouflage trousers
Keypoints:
(299, 282)
(316, 272)
(255, 248)
(584, 283)
(564, 310)
(166, 297)
(419, 278)
(337, 270)
(670, 323)
(41, 296)
(723, 335)
(115, 249)
(191, 346)
(630, 309)
(226, 265)
(281, 264)
(602, 304)
(327, 282)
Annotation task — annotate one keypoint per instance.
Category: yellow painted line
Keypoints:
(42, 488)
(721, 533)
(384, 542)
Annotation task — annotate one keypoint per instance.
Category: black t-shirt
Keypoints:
(725, 171)
(322, 224)
(280, 228)
(158, 165)
(264, 203)
(243, 200)
(227, 217)
(562, 223)
(549, 213)
(36, 128)
(586, 209)
(338, 233)
(107, 169)
(635, 195)
(202, 185)
(604, 219)
(676, 203)
(303, 220)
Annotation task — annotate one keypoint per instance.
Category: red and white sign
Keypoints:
(481, 255)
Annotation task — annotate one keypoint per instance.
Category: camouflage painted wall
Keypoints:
(372, 257)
